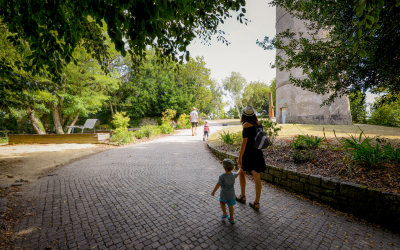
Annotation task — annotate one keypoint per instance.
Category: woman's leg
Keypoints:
(257, 181)
(242, 181)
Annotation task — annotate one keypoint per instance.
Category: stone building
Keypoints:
(295, 105)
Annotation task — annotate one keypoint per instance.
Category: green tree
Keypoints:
(358, 107)
(361, 51)
(54, 29)
(234, 85)
(159, 85)
(24, 98)
(215, 108)
(257, 93)
(196, 77)
(83, 88)
(87, 87)
(386, 111)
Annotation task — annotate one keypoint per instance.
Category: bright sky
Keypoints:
(243, 55)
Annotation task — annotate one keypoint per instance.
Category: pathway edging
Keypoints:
(369, 203)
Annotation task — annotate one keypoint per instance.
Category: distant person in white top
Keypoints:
(194, 119)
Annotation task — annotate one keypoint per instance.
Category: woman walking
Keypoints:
(250, 158)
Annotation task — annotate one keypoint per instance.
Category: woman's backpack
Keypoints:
(261, 141)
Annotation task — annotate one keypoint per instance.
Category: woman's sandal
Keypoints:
(241, 199)
(255, 206)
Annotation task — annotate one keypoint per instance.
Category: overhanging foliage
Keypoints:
(362, 50)
(54, 29)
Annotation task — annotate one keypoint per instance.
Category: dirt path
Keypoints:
(27, 163)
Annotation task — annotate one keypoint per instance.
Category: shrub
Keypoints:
(270, 129)
(120, 120)
(362, 152)
(139, 134)
(122, 136)
(300, 156)
(150, 130)
(226, 138)
(299, 143)
(307, 141)
(313, 141)
(229, 138)
(387, 114)
(166, 128)
(391, 154)
(168, 115)
(183, 121)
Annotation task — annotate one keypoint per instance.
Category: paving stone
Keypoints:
(156, 195)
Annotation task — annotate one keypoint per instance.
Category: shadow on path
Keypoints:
(157, 195)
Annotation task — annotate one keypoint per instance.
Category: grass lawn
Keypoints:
(291, 130)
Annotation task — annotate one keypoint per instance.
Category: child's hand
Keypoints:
(213, 193)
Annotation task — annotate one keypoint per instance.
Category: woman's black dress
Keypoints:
(252, 158)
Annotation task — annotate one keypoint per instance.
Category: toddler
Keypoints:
(206, 131)
(227, 183)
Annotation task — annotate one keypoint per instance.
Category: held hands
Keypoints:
(239, 163)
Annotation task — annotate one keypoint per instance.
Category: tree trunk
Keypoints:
(66, 119)
(73, 122)
(36, 124)
(111, 107)
(237, 108)
(57, 119)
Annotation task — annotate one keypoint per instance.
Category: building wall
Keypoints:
(303, 106)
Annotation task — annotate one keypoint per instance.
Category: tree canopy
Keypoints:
(53, 29)
(82, 91)
(234, 85)
(360, 51)
(158, 86)
(257, 93)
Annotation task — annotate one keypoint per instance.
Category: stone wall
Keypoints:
(371, 204)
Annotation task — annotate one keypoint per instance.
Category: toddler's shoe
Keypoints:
(224, 216)
(231, 221)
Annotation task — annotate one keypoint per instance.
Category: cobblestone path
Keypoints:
(156, 195)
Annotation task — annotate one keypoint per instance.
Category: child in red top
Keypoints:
(206, 131)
